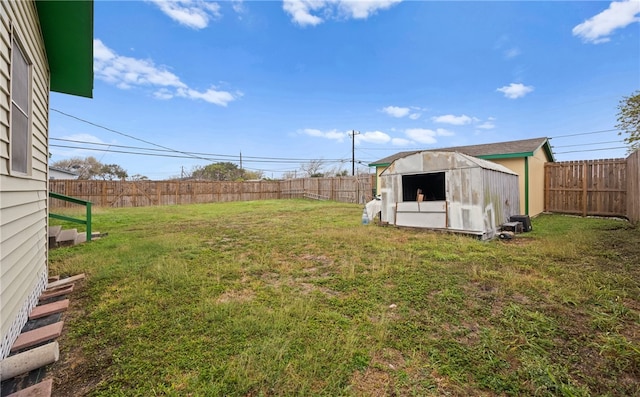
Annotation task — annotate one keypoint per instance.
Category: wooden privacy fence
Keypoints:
(594, 187)
(633, 187)
(147, 193)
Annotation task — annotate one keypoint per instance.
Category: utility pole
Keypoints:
(353, 151)
(240, 160)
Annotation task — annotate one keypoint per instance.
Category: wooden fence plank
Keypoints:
(590, 187)
(146, 193)
(633, 186)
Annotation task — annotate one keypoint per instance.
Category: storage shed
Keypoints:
(449, 191)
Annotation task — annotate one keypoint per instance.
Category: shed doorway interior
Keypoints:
(431, 186)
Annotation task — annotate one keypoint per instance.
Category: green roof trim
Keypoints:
(548, 151)
(67, 30)
(504, 156)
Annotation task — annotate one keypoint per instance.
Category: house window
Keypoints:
(431, 186)
(20, 110)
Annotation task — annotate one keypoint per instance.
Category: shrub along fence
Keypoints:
(146, 193)
(594, 187)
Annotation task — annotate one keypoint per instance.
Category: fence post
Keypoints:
(584, 189)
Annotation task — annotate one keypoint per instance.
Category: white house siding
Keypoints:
(23, 199)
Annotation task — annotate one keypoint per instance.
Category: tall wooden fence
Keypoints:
(594, 187)
(147, 193)
(633, 187)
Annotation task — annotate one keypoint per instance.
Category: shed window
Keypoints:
(431, 185)
(20, 110)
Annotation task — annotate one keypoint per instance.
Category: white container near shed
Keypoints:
(459, 193)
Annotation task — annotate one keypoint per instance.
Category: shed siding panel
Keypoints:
(501, 198)
(23, 222)
(464, 190)
(517, 165)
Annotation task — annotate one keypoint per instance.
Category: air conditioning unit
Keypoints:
(524, 219)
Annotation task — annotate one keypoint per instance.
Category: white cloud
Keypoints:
(487, 125)
(399, 112)
(305, 12)
(515, 90)
(212, 95)
(512, 52)
(163, 93)
(332, 134)
(238, 6)
(426, 136)
(126, 72)
(453, 120)
(443, 132)
(300, 11)
(597, 28)
(401, 142)
(396, 111)
(195, 14)
(373, 137)
(362, 9)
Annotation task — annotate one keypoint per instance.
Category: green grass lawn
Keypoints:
(290, 297)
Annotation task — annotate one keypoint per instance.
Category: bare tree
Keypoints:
(312, 168)
(85, 168)
(289, 175)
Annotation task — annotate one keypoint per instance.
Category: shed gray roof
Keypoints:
(488, 151)
(64, 171)
(463, 157)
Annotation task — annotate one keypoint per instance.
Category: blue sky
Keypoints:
(285, 82)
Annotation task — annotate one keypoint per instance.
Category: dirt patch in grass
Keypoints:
(74, 375)
(77, 373)
(244, 295)
(378, 378)
(372, 382)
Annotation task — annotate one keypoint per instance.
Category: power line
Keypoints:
(588, 144)
(230, 156)
(583, 133)
(184, 154)
(593, 150)
(252, 160)
(122, 133)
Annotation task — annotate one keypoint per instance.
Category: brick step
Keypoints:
(64, 282)
(54, 293)
(38, 335)
(48, 309)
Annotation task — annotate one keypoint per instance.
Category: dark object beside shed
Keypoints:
(524, 219)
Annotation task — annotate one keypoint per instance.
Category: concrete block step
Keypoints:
(38, 335)
(82, 237)
(42, 389)
(54, 231)
(67, 237)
